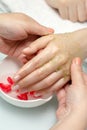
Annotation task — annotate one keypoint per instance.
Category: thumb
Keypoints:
(76, 72)
(38, 29)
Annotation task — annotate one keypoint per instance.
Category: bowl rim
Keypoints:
(24, 101)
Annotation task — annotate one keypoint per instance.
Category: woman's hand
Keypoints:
(72, 99)
(74, 10)
(49, 70)
(17, 31)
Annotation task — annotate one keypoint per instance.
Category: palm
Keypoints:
(69, 96)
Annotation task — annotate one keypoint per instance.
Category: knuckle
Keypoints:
(39, 72)
(53, 88)
(36, 62)
(54, 49)
(47, 83)
(23, 73)
(24, 83)
(62, 59)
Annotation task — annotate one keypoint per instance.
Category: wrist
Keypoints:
(80, 37)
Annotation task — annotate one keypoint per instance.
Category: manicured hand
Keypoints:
(49, 70)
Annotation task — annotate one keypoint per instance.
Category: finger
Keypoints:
(55, 87)
(33, 49)
(59, 84)
(60, 113)
(38, 61)
(38, 45)
(47, 82)
(22, 58)
(76, 72)
(34, 27)
(64, 12)
(82, 11)
(73, 16)
(41, 73)
(61, 95)
(86, 7)
(66, 87)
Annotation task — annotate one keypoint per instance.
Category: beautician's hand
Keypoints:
(72, 99)
(74, 10)
(49, 70)
(17, 31)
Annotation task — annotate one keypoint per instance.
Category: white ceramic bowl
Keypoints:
(8, 67)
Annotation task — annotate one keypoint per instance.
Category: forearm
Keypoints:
(75, 121)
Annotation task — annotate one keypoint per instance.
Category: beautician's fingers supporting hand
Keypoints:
(74, 94)
(18, 26)
(37, 45)
(18, 31)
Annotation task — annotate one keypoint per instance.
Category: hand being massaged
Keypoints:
(49, 69)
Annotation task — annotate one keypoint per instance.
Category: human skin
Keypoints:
(17, 31)
(49, 70)
(72, 98)
(74, 10)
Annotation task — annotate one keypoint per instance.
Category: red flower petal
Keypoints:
(9, 79)
(31, 93)
(23, 96)
(5, 87)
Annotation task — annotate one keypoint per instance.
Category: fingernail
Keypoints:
(50, 30)
(15, 87)
(37, 94)
(16, 78)
(25, 49)
(77, 61)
